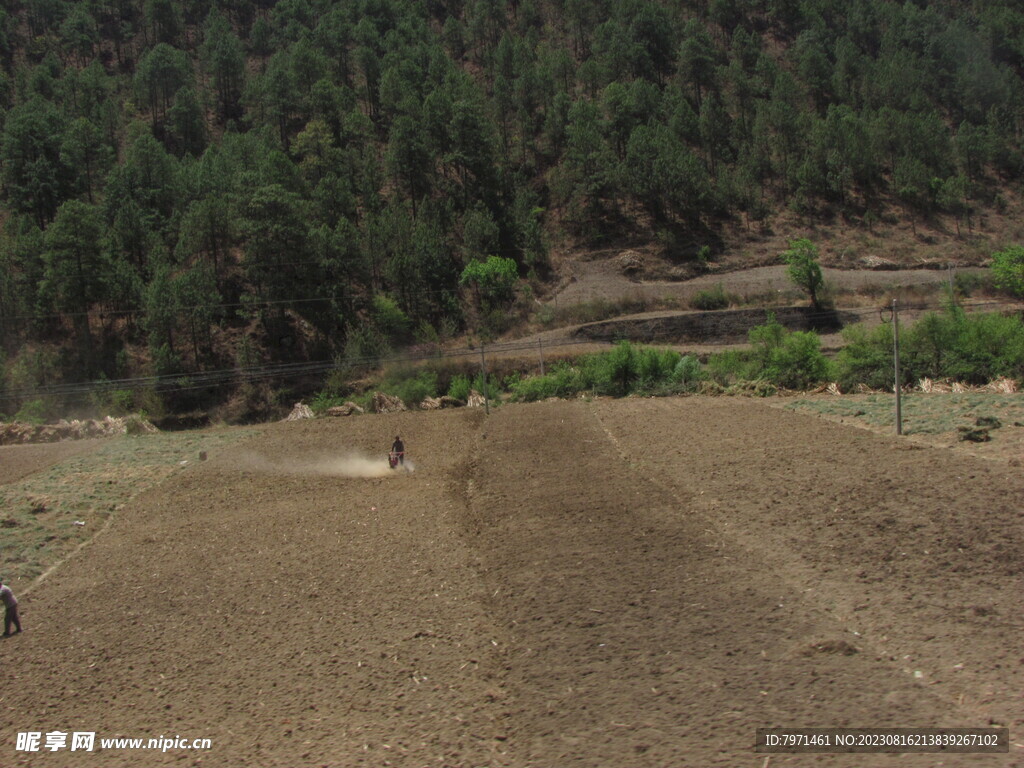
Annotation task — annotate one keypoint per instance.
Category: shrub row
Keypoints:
(951, 344)
(970, 348)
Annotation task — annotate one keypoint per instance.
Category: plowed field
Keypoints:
(610, 583)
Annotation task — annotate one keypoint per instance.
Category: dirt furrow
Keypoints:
(916, 550)
(638, 635)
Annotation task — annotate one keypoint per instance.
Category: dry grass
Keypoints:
(923, 413)
(935, 418)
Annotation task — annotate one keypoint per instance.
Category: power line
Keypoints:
(733, 326)
(210, 379)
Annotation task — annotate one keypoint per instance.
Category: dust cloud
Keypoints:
(348, 465)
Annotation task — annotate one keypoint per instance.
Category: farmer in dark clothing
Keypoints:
(11, 613)
(397, 452)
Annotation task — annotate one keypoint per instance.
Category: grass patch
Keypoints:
(712, 298)
(40, 511)
(923, 413)
(595, 310)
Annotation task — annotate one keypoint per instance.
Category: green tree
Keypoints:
(162, 72)
(187, 123)
(315, 145)
(663, 175)
(44, 15)
(163, 20)
(333, 35)
(493, 281)
(804, 269)
(953, 197)
(35, 178)
(651, 29)
(1008, 269)
(588, 161)
(86, 155)
(274, 236)
(149, 178)
(78, 33)
(195, 293)
(277, 95)
(207, 230)
(473, 144)
(407, 158)
(223, 59)
(911, 183)
(697, 59)
(76, 273)
(160, 315)
(480, 234)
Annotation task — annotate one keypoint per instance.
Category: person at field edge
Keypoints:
(398, 452)
(11, 612)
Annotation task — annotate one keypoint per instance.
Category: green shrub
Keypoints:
(617, 371)
(866, 358)
(511, 380)
(389, 320)
(414, 389)
(730, 366)
(166, 361)
(564, 380)
(114, 402)
(970, 348)
(495, 322)
(928, 345)
(545, 316)
(32, 368)
(970, 283)
(787, 359)
(987, 346)
(687, 372)
(364, 347)
(797, 362)
(33, 412)
(1008, 269)
(492, 386)
(459, 387)
(710, 299)
(493, 280)
(323, 400)
(656, 366)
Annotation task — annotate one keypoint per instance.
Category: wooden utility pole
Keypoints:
(483, 369)
(896, 365)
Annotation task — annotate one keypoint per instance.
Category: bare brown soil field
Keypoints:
(611, 583)
(17, 461)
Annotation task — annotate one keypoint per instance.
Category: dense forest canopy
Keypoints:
(193, 185)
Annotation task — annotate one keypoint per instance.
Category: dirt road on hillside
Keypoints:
(628, 583)
(604, 281)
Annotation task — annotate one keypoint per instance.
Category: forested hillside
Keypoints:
(196, 186)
